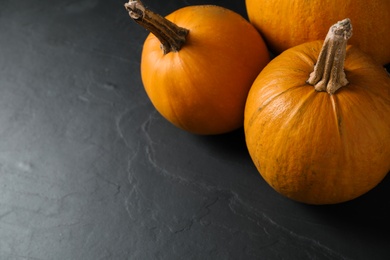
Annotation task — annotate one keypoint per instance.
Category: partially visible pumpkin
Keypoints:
(321, 136)
(285, 23)
(198, 64)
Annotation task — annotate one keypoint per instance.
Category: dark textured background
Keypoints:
(89, 170)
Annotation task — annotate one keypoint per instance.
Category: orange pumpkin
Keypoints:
(285, 23)
(322, 135)
(198, 64)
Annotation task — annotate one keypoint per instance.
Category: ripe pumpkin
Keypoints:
(285, 23)
(322, 135)
(198, 64)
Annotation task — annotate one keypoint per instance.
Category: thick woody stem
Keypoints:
(171, 36)
(328, 74)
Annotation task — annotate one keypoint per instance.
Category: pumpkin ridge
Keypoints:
(384, 98)
(293, 118)
(269, 100)
(365, 115)
(374, 97)
(189, 76)
(337, 116)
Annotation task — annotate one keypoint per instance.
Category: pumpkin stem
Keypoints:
(171, 36)
(328, 74)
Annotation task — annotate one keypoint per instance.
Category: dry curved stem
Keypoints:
(171, 36)
(328, 74)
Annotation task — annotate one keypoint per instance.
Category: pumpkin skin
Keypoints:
(285, 23)
(202, 88)
(314, 147)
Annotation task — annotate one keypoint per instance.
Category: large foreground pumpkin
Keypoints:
(286, 23)
(322, 136)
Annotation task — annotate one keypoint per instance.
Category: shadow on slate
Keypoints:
(231, 144)
(368, 214)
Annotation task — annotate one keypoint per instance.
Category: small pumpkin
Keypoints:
(285, 23)
(198, 64)
(318, 129)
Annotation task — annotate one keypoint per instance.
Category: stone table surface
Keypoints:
(89, 170)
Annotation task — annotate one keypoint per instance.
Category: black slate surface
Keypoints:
(89, 170)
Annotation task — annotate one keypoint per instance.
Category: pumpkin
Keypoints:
(318, 129)
(198, 64)
(285, 23)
